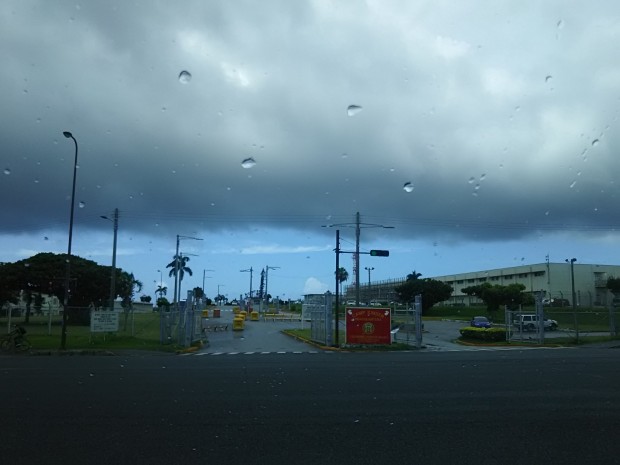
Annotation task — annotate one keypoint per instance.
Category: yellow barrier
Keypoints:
(243, 314)
(205, 313)
(236, 310)
(254, 316)
(238, 324)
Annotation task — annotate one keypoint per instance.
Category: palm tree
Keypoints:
(342, 275)
(413, 276)
(182, 266)
(161, 290)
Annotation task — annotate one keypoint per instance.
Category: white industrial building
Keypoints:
(554, 279)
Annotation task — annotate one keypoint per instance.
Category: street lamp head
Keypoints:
(67, 134)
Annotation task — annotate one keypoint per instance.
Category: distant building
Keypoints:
(554, 279)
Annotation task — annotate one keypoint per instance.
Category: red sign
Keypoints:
(368, 326)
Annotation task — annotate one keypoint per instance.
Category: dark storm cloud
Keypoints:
(505, 124)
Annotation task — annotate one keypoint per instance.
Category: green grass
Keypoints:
(145, 334)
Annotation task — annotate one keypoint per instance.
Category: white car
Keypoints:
(529, 322)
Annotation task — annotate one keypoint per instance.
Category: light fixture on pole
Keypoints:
(358, 226)
(267, 268)
(113, 275)
(572, 281)
(63, 333)
(369, 269)
(204, 272)
(249, 270)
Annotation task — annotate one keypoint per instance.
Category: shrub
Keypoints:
(483, 334)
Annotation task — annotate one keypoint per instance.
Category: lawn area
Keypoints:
(143, 334)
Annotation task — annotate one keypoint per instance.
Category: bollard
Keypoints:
(254, 316)
(238, 324)
(216, 313)
(205, 313)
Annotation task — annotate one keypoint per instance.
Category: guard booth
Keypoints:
(318, 309)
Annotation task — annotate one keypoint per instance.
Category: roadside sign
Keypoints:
(368, 326)
(103, 322)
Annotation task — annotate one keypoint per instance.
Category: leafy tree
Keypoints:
(496, 295)
(613, 284)
(162, 302)
(182, 266)
(432, 291)
(145, 298)
(46, 273)
(198, 292)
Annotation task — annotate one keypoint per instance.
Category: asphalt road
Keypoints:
(496, 407)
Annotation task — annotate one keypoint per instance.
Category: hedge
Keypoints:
(483, 334)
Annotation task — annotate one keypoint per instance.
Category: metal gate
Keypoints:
(319, 308)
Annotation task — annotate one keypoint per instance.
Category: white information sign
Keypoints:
(103, 322)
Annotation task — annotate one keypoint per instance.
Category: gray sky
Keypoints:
(502, 116)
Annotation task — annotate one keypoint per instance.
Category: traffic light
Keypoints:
(379, 253)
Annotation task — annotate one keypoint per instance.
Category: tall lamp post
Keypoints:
(204, 272)
(369, 269)
(113, 277)
(249, 270)
(267, 283)
(63, 333)
(572, 284)
(218, 293)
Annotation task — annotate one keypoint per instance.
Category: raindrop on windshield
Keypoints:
(248, 163)
(408, 187)
(81, 204)
(471, 180)
(483, 176)
(548, 78)
(595, 142)
(572, 184)
(353, 110)
(184, 77)
(7, 171)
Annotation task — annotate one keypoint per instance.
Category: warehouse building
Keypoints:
(554, 279)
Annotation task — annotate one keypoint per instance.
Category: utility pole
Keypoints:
(113, 278)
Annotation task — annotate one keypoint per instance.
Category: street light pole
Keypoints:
(267, 283)
(113, 276)
(203, 280)
(369, 269)
(249, 270)
(218, 293)
(63, 333)
(572, 280)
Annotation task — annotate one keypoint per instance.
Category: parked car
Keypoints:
(529, 322)
(480, 322)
